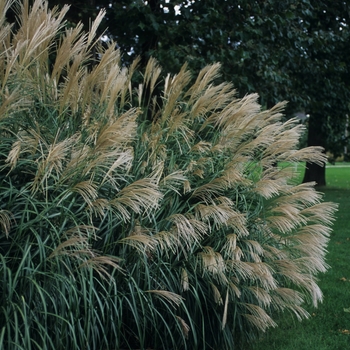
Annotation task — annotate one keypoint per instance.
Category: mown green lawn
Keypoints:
(328, 327)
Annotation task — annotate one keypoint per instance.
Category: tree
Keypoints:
(294, 50)
(323, 73)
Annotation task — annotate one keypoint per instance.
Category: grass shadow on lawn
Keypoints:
(328, 327)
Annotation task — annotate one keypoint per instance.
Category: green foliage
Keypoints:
(133, 219)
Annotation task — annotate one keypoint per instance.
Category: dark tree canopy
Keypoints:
(295, 50)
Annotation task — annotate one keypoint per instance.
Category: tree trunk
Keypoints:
(314, 172)
(316, 137)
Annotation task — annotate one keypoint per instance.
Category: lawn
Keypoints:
(328, 328)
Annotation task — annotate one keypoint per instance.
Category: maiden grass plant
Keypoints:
(143, 217)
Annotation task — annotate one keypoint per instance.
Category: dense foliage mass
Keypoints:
(131, 219)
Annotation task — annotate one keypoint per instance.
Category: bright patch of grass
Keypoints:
(329, 325)
(338, 175)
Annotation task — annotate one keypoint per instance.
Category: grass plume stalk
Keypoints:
(132, 221)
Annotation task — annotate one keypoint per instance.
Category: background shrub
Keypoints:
(148, 216)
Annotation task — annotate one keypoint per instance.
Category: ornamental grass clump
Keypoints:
(148, 216)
